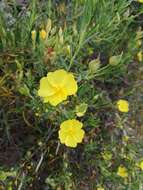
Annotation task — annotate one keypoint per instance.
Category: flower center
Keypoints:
(60, 91)
(71, 132)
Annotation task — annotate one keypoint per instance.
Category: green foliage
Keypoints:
(98, 41)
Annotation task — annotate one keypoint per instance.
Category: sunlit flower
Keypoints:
(42, 34)
(33, 35)
(71, 132)
(57, 86)
(123, 105)
(122, 172)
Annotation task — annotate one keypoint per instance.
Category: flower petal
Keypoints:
(77, 124)
(62, 136)
(70, 84)
(66, 124)
(70, 142)
(57, 98)
(79, 136)
(57, 78)
(45, 88)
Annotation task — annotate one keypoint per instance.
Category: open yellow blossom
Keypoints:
(57, 86)
(42, 34)
(122, 172)
(123, 105)
(71, 132)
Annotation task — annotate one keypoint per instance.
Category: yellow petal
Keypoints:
(65, 124)
(79, 136)
(57, 78)
(57, 98)
(62, 136)
(70, 84)
(45, 88)
(70, 142)
(77, 124)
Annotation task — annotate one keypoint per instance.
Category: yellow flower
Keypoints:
(122, 172)
(42, 34)
(123, 105)
(141, 165)
(140, 56)
(71, 132)
(33, 35)
(57, 86)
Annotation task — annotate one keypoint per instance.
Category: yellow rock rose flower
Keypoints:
(42, 34)
(71, 132)
(57, 86)
(122, 172)
(123, 105)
